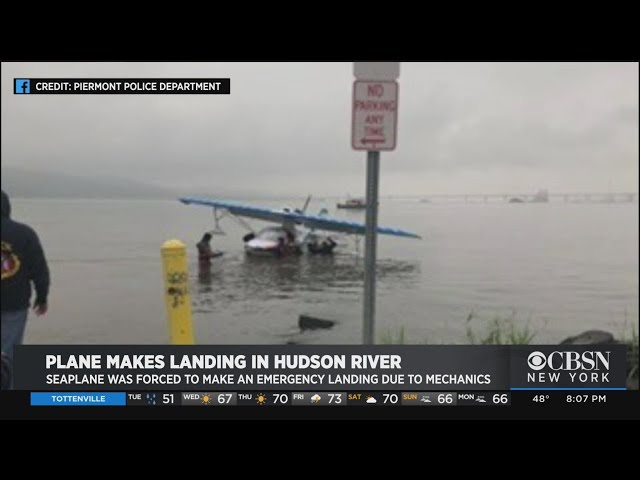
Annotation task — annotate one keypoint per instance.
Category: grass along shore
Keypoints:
(508, 330)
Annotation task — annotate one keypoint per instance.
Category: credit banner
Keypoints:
(121, 86)
(317, 367)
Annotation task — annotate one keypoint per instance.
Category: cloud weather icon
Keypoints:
(371, 400)
(316, 398)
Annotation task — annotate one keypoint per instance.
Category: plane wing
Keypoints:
(310, 221)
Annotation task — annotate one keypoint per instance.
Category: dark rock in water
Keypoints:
(306, 322)
(590, 337)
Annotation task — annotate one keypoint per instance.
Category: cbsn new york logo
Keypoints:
(582, 367)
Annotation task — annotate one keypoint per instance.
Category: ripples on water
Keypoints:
(305, 278)
(261, 294)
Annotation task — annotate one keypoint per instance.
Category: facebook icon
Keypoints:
(23, 85)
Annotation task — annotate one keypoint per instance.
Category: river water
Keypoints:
(559, 268)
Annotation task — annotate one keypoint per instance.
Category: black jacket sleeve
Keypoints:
(38, 269)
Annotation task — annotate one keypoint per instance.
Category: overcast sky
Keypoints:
(285, 128)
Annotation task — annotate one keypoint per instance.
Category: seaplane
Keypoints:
(295, 232)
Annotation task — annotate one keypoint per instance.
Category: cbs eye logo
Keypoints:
(536, 361)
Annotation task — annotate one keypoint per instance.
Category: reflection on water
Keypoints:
(205, 279)
(245, 278)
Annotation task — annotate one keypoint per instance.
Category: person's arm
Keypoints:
(38, 274)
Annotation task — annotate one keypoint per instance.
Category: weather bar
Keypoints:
(121, 86)
(271, 398)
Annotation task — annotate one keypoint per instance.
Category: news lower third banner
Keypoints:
(318, 367)
(121, 86)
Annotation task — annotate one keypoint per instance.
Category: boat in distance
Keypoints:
(353, 203)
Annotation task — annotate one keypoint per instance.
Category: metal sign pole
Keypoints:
(371, 232)
(374, 126)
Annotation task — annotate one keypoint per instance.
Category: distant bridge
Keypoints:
(573, 197)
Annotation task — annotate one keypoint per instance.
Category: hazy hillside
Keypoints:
(26, 183)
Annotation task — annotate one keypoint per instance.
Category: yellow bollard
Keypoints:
(176, 292)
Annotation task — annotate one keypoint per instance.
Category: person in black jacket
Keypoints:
(23, 263)
(205, 252)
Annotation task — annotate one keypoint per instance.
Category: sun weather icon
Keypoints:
(151, 398)
(261, 399)
(206, 399)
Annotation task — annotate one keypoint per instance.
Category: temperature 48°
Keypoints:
(540, 398)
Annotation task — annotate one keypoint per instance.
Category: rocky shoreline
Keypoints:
(600, 337)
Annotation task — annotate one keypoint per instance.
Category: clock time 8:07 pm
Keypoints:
(587, 398)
